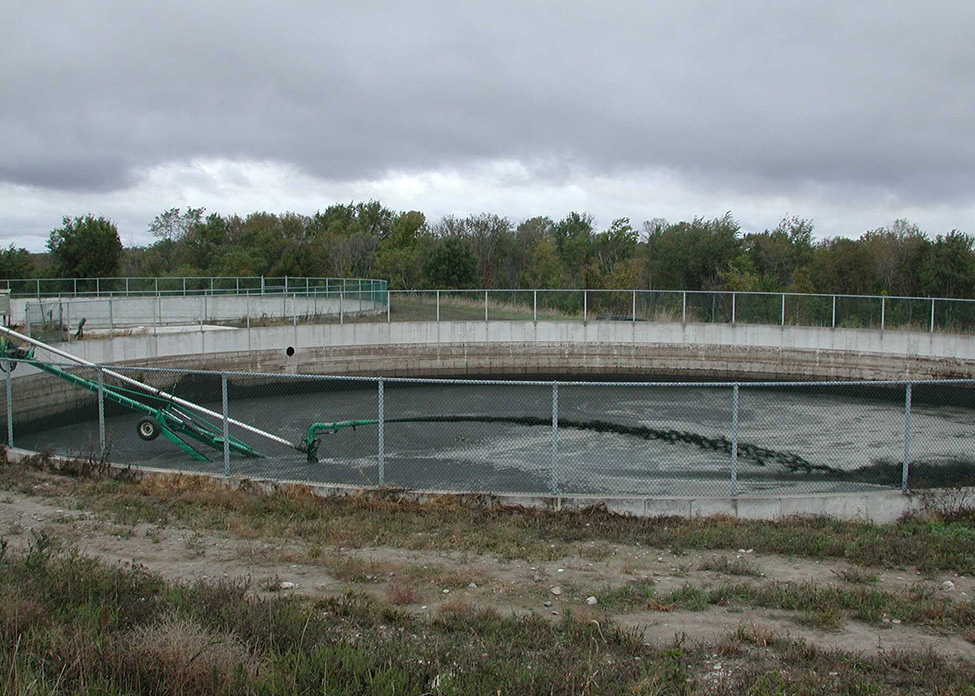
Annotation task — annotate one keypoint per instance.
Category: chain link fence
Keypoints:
(503, 436)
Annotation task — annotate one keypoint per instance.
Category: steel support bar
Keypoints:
(10, 405)
(883, 313)
(102, 445)
(932, 315)
(585, 306)
(734, 440)
(226, 425)
(382, 432)
(834, 312)
(783, 310)
(734, 298)
(555, 438)
(906, 462)
(683, 307)
(535, 306)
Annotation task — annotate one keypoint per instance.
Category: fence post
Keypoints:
(734, 440)
(485, 306)
(734, 297)
(381, 417)
(10, 404)
(683, 307)
(932, 315)
(783, 309)
(67, 319)
(226, 425)
(101, 413)
(883, 313)
(535, 306)
(634, 306)
(389, 307)
(341, 306)
(834, 312)
(906, 464)
(111, 318)
(585, 306)
(27, 318)
(438, 306)
(555, 438)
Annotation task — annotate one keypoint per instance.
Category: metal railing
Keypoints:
(690, 306)
(183, 285)
(112, 310)
(546, 437)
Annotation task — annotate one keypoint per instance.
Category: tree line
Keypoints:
(369, 240)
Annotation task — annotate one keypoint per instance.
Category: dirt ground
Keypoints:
(422, 581)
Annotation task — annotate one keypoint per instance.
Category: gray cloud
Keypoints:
(763, 97)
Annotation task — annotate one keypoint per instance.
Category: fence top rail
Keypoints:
(277, 282)
(764, 293)
(726, 384)
(123, 285)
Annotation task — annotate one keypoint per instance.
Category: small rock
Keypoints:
(555, 613)
(717, 667)
(560, 570)
(536, 578)
(446, 591)
(741, 551)
(473, 586)
(287, 586)
(948, 585)
(547, 604)
(660, 558)
(896, 621)
(592, 601)
(556, 591)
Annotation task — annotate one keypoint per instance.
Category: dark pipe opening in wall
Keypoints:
(289, 351)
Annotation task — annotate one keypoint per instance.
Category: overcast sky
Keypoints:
(851, 114)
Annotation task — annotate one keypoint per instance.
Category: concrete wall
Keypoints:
(120, 312)
(717, 351)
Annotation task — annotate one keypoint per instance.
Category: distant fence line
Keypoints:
(340, 298)
(183, 285)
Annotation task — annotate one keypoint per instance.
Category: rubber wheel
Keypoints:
(148, 429)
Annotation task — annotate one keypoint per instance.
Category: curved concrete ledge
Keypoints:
(879, 507)
(520, 348)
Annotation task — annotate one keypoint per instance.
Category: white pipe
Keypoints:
(151, 390)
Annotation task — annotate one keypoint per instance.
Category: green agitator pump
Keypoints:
(179, 421)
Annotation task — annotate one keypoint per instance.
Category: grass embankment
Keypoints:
(72, 625)
(933, 542)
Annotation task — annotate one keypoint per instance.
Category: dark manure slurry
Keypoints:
(611, 439)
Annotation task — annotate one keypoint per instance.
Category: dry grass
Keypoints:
(180, 656)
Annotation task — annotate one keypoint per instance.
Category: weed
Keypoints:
(855, 575)
(400, 592)
(634, 594)
(827, 619)
(730, 566)
(270, 584)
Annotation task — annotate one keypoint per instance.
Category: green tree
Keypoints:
(15, 263)
(85, 247)
(451, 264)
(949, 268)
(693, 255)
(573, 235)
